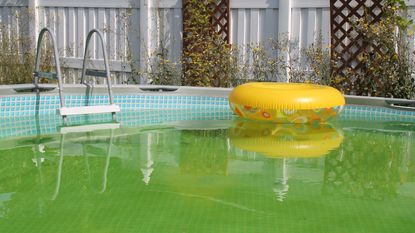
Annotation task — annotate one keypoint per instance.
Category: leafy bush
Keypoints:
(207, 60)
(17, 55)
(268, 61)
(387, 71)
(16, 58)
(162, 70)
(206, 57)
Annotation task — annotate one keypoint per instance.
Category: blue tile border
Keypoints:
(18, 113)
(16, 106)
(374, 113)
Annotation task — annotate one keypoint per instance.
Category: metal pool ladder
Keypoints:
(67, 111)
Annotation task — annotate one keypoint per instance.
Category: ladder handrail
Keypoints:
(107, 68)
(37, 74)
(57, 64)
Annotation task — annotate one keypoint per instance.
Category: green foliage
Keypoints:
(386, 72)
(318, 60)
(207, 58)
(208, 61)
(16, 58)
(162, 70)
(272, 61)
(267, 62)
(286, 58)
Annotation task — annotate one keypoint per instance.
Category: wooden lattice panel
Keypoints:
(205, 22)
(220, 18)
(346, 42)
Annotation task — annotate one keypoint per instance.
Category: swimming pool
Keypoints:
(181, 162)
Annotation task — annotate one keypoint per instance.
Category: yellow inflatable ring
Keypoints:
(285, 140)
(286, 102)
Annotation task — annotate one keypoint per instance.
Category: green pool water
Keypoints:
(212, 176)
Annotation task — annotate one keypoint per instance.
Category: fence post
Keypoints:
(144, 39)
(34, 21)
(147, 36)
(284, 27)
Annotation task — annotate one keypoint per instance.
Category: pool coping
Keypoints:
(52, 89)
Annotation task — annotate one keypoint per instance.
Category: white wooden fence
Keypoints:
(126, 26)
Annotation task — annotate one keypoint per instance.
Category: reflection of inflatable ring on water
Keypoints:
(285, 140)
(286, 102)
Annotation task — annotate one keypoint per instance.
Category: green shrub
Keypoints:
(162, 70)
(385, 72)
(17, 55)
(206, 58)
(266, 62)
(16, 60)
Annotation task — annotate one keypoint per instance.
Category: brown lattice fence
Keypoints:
(220, 18)
(205, 42)
(347, 43)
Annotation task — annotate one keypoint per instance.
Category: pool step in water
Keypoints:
(88, 128)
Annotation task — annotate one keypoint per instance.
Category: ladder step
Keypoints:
(67, 111)
(47, 75)
(96, 73)
(89, 128)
